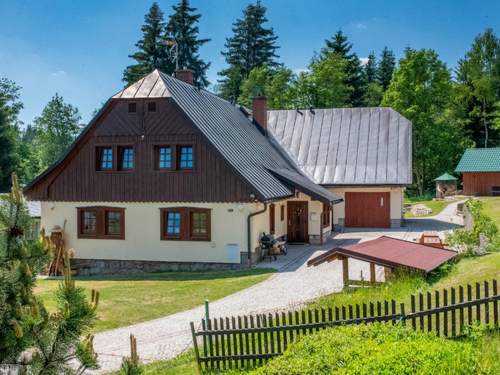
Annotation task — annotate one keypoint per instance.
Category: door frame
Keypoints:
(290, 206)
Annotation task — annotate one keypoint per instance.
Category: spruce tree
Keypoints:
(152, 53)
(373, 91)
(8, 158)
(52, 341)
(386, 68)
(252, 45)
(353, 71)
(370, 69)
(478, 90)
(182, 28)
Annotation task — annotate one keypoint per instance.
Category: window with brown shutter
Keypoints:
(101, 222)
(185, 224)
(272, 227)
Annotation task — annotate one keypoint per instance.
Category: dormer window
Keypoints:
(104, 158)
(132, 107)
(164, 157)
(151, 106)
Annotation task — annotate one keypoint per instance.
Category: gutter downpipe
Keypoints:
(249, 236)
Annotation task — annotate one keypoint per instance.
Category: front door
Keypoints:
(297, 216)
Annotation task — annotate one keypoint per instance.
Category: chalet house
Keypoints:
(480, 169)
(169, 176)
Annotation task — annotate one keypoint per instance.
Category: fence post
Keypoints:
(207, 311)
(195, 344)
(403, 316)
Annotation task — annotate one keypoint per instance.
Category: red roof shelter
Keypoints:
(388, 252)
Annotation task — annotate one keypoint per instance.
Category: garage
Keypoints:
(367, 209)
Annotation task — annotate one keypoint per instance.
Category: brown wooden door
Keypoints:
(367, 210)
(297, 216)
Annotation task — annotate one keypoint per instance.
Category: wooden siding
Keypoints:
(76, 179)
(480, 183)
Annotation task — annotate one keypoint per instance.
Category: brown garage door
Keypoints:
(367, 210)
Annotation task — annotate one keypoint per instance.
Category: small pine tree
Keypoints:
(252, 45)
(51, 341)
(386, 68)
(182, 28)
(152, 52)
(370, 69)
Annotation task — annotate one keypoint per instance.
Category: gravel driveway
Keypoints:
(293, 285)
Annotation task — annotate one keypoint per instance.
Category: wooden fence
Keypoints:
(246, 341)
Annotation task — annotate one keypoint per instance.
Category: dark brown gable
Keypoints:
(76, 178)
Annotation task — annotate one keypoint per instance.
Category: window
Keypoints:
(151, 106)
(164, 157)
(325, 215)
(282, 212)
(125, 158)
(272, 210)
(185, 224)
(101, 223)
(104, 158)
(186, 157)
(89, 222)
(132, 107)
(173, 224)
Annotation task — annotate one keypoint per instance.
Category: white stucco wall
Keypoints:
(396, 193)
(142, 232)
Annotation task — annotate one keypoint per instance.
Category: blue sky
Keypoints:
(79, 48)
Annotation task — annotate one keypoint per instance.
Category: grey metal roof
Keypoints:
(346, 146)
(229, 130)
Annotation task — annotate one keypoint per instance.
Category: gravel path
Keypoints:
(293, 285)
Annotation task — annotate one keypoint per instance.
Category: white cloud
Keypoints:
(300, 70)
(58, 74)
(360, 26)
(363, 60)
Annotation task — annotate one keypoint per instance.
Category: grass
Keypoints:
(132, 299)
(435, 205)
(491, 206)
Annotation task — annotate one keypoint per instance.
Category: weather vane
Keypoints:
(173, 50)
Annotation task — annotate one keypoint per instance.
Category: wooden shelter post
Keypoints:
(373, 276)
(345, 269)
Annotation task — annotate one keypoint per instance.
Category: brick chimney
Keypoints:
(259, 110)
(186, 75)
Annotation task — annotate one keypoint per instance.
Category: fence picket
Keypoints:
(421, 308)
(413, 309)
(469, 308)
(453, 315)
(486, 305)
(438, 325)
(495, 304)
(461, 310)
(429, 317)
(445, 313)
(478, 309)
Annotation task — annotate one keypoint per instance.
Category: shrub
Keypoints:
(467, 240)
(375, 349)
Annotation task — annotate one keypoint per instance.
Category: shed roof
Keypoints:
(392, 252)
(480, 160)
(446, 177)
(346, 146)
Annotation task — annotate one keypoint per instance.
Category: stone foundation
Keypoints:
(315, 239)
(88, 267)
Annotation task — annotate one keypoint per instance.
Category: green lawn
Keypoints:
(491, 207)
(138, 298)
(435, 205)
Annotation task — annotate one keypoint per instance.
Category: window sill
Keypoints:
(186, 239)
(89, 237)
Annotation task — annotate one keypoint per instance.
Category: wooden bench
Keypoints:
(495, 191)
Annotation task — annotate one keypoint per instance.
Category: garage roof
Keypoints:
(391, 252)
(346, 146)
(480, 160)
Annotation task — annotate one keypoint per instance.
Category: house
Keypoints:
(361, 154)
(168, 176)
(480, 169)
